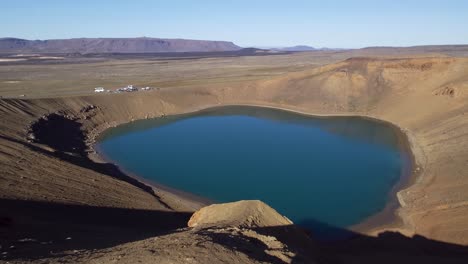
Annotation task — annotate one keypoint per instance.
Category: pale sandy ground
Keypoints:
(11, 60)
(425, 96)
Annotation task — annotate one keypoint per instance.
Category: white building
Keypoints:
(98, 89)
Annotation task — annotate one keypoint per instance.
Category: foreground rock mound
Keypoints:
(240, 214)
(254, 227)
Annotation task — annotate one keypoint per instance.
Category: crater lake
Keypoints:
(323, 173)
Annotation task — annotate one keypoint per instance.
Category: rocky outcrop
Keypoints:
(241, 214)
(260, 225)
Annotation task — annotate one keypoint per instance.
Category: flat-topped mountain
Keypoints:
(113, 45)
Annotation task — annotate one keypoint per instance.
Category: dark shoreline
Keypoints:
(389, 215)
(386, 217)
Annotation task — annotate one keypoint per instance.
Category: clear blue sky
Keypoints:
(346, 24)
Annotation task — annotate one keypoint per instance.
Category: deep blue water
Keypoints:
(334, 171)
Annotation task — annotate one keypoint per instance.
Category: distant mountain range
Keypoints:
(300, 48)
(113, 45)
(297, 48)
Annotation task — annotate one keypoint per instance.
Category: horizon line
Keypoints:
(243, 46)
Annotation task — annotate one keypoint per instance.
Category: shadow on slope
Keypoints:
(60, 133)
(387, 247)
(40, 229)
(30, 230)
